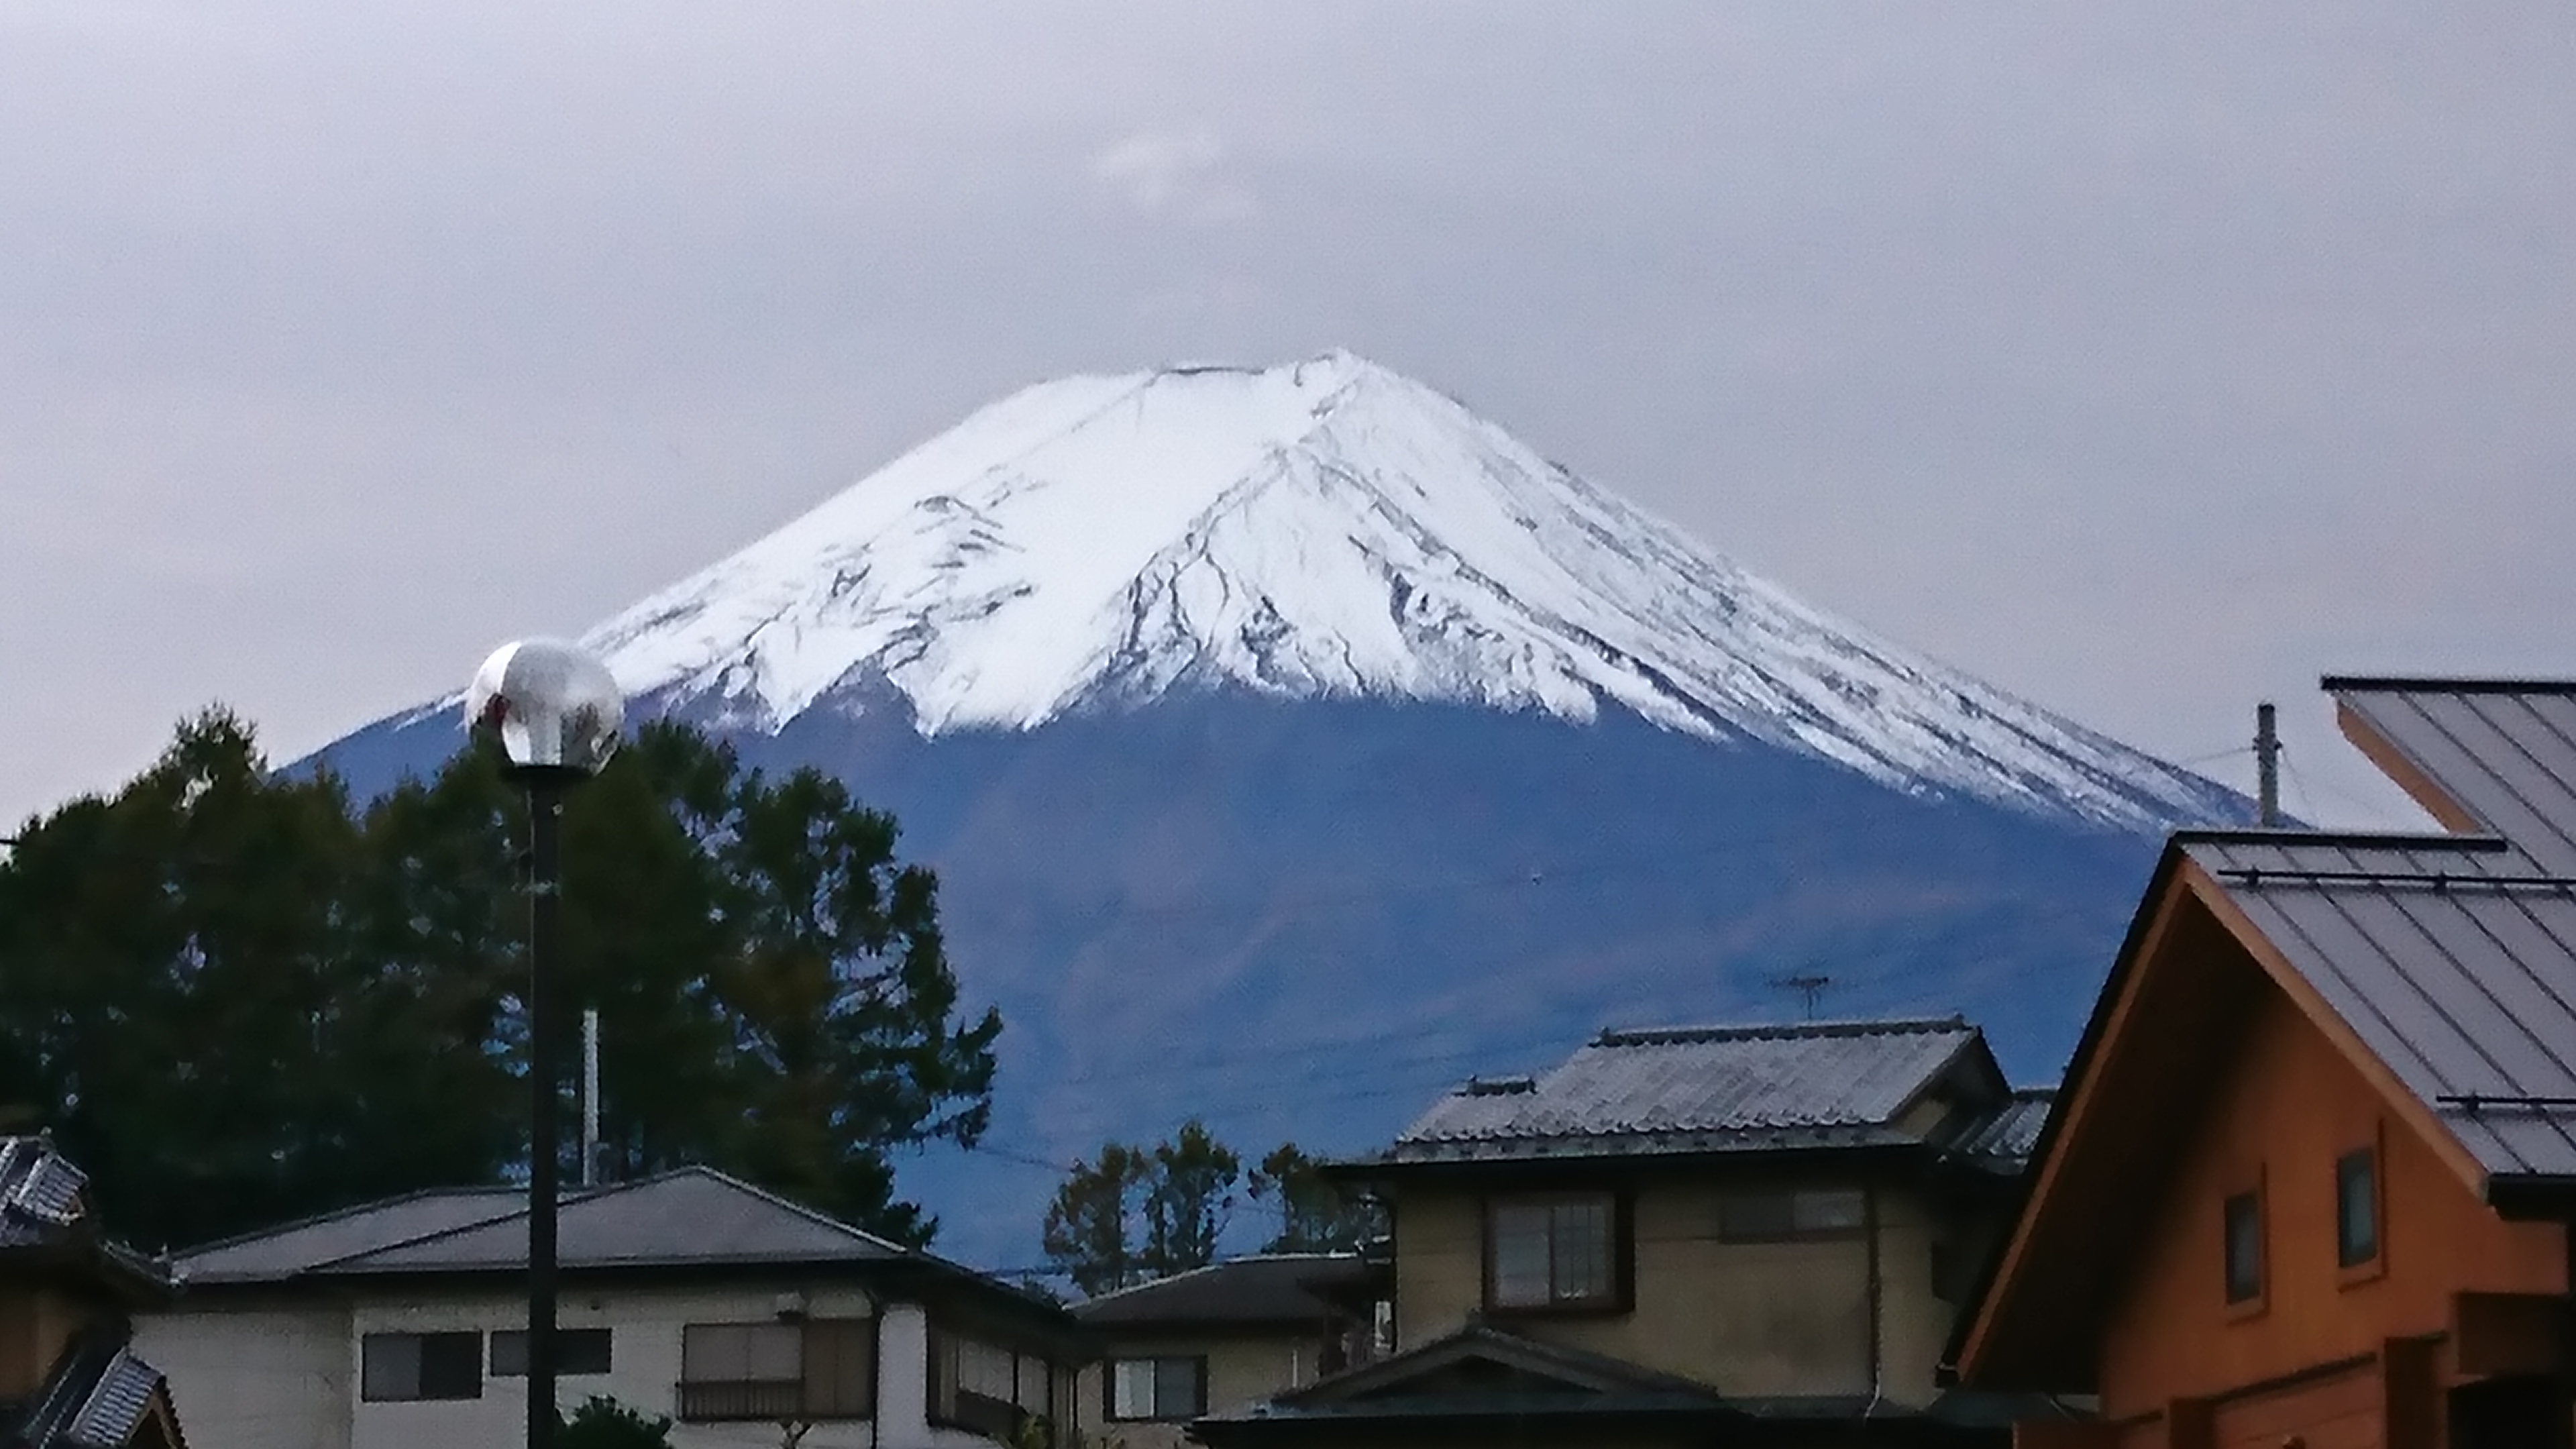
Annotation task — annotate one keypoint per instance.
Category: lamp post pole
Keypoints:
(545, 921)
(555, 712)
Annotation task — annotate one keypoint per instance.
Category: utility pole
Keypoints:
(1809, 986)
(2267, 766)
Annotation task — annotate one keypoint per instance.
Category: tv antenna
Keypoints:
(1809, 986)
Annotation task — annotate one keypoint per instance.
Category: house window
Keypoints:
(1771, 1217)
(406, 1367)
(979, 1385)
(2356, 1208)
(1157, 1388)
(822, 1368)
(2243, 1216)
(577, 1351)
(1551, 1253)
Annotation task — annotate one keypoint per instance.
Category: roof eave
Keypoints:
(2532, 1197)
(1591, 1161)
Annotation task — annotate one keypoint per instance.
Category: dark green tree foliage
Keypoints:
(1314, 1215)
(604, 1423)
(1188, 1199)
(1133, 1214)
(1090, 1231)
(236, 1001)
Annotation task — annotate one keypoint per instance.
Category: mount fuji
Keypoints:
(1292, 741)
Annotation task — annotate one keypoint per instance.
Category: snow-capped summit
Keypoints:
(1323, 528)
(1272, 731)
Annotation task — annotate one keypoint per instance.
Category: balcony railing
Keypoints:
(722, 1400)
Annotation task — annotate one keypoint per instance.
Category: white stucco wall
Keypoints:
(271, 1380)
(255, 1378)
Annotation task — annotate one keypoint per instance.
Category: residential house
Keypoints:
(1225, 1336)
(2312, 1176)
(69, 1377)
(1684, 1235)
(690, 1294)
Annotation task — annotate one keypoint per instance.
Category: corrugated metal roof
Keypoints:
(2503, 750)
(1272, 1288)
(1700, 1089)
(693, 1216)
(2454, 961)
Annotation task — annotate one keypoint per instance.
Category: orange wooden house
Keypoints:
(2311, 1182)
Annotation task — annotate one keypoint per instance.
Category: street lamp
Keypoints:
(555, 711)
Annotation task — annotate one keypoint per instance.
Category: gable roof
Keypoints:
(2452, 961)
(2003, 1137)
(1483, 1383)
(687, 1217)
(45, 1214)
(690, 1220)
(1476, 1374)
(270, 1254)
(98, 1396)
(1266, 1290)
(1707, 1089)
(2443, 967)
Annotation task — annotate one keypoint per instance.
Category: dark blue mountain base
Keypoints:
(1303, 920)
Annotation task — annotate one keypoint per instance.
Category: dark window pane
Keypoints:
(1176, 1388)
(389, 1366)
(2244, 1231)
(451, 1366)
(1836, 1211)
(582, 1351)
(2356, 1209)
(577, 1351)
(1519, 1254)
(1754, 1216)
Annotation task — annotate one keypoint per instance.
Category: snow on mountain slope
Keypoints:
(1326, 528)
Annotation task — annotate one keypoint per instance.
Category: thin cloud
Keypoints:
(1175, 173)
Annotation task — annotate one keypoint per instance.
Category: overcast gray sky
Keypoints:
(2146, 358)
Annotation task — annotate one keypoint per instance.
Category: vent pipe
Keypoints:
(590, 1097)
(2267, 765)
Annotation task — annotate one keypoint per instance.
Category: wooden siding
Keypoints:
(2280, 1115)
(2342, 1412)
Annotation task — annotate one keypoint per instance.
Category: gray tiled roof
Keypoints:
(2005, 1136)
(116, 1406)
(693, 1216)
(1272, 1288)
(1688, 1089)
(40, 1192)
